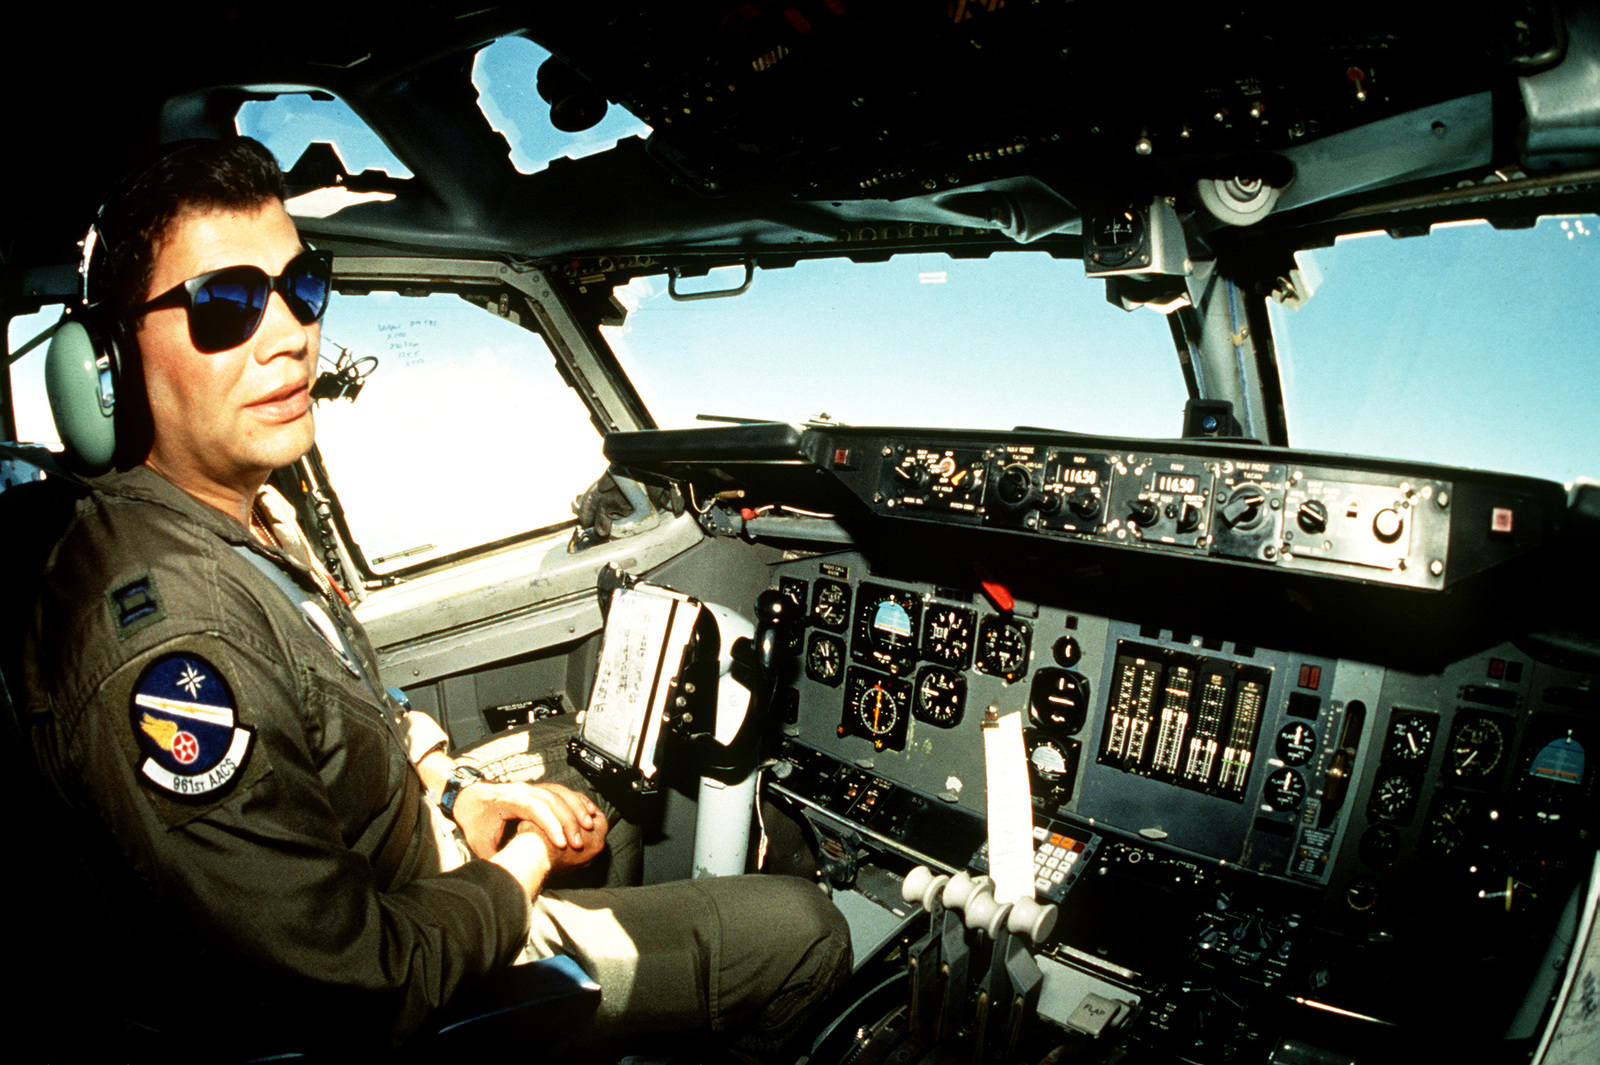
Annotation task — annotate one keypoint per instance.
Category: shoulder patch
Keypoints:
(186, 724)
(135, 605)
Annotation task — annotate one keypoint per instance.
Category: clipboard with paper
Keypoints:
(649, 640)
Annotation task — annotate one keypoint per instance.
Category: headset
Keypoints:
(82, 369)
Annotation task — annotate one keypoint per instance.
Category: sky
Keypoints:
(1470, 347)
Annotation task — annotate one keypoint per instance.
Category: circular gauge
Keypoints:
(1451, 828)
(941, 696)
(885, 632)
(1067, 651)
(1052, 766)
(830, 604)
(1477, 748)
(1285, 790)
(876, 709)
(1410, 739)
(1362, 894)
(947, 635)
(1379, 845)
(1059, 700)
(1296, 743)
(1393, 799)
(1003, 647)
(825, 658)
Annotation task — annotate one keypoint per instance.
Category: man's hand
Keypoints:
(571, 825)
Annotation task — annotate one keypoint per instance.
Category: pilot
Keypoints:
(210, 709)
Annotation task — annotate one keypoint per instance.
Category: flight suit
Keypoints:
(240, 771)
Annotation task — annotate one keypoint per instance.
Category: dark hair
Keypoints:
(236, 173)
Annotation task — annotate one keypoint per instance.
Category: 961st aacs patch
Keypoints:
(186, 724)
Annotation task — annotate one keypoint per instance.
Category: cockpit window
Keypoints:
(291, 120)
(1016, 339)
(463, 433)
(506, 74)
(29, 404)
(1470, 346)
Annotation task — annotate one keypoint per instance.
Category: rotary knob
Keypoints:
(1015, 487)
(1085, 506)
(1143, 512)
(1246, 508)
(1313, 516)
(1387, 525)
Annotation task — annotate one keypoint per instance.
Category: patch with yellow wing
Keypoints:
(186, 723)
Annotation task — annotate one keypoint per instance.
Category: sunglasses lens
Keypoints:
(306, 285)
(227, 309)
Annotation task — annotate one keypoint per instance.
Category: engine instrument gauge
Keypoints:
(1284, 790)
(1393, 799)
(885, 633)
(876, 708)
(1297, 742)
(1478, 747)
(830, 604)
(1410, 738)
(947, 633)
(825, 658)
(1003, 646)
(941, 696)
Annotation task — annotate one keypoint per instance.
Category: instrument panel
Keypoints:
(1284, 734)
(1262, 814)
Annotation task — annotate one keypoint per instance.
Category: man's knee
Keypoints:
(788, 948)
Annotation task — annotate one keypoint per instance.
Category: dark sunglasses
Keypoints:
(226, 306)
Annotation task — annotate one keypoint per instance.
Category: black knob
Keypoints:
(1015, 487)
(1143, 512)
(1189, 518)
(1243, 509)
(1313, 516)
(1084, 505)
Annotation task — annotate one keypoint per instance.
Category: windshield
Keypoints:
(1017, 339)
(1471, 346)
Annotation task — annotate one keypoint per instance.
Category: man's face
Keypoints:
(224, 421)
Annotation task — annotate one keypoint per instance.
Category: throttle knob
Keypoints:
(1033, 919)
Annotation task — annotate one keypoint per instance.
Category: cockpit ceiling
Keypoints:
(776, 122)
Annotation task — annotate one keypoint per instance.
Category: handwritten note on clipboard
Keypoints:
(647, 634)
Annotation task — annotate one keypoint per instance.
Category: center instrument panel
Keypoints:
(1291, 767)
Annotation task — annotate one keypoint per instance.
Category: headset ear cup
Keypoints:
(80, 368)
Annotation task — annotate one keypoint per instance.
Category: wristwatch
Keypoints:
(462, 776)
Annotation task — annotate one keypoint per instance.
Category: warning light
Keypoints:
(1310, 677)
(1500, 519)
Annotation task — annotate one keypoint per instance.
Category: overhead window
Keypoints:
(506, 75)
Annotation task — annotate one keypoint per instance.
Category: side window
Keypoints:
(463, 431)
(29, 404)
